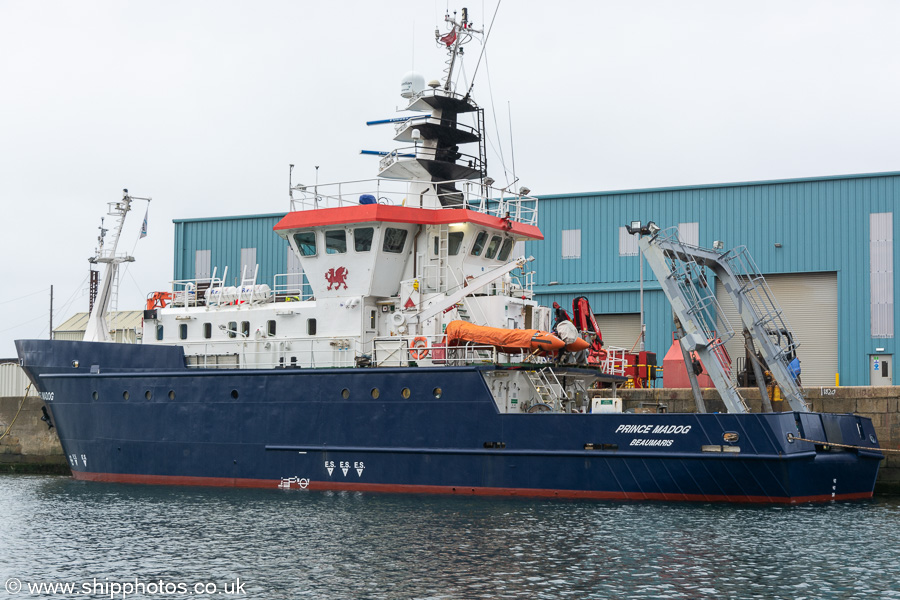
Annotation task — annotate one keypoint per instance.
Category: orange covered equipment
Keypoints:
(507, 340)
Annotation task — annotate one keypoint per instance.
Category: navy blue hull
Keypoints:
(142, 416)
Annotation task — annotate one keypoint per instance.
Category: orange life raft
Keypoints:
(507, 340)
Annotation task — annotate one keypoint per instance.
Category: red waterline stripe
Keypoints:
(460, 490)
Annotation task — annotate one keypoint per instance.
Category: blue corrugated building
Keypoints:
(825, 245)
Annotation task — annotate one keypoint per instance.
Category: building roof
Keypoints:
(121, 319)
(721, 185)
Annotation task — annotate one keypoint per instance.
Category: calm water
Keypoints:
(301, 544)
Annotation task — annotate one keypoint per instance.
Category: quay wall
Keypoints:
(881, 404)
(30, 446)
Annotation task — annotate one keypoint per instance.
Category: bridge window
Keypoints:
(478, 246)
(454, 241)
(306, 242)
(493, 247)
(335, 241)
(505, 249)
(394, 240)
(362, 238)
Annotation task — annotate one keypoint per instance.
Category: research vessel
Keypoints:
(412, 356)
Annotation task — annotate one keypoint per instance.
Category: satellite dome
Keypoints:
(412, 84)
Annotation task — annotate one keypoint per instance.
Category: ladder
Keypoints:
(680, 269)
(434, 276)
(547, 387)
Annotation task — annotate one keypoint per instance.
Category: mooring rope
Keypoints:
(21, 404)
(792, 437)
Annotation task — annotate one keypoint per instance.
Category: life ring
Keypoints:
(419, 349)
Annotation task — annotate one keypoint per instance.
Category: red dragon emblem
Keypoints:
(337, 278)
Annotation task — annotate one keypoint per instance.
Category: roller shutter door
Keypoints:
(809, 302)
(620, 330)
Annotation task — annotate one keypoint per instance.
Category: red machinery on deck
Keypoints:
(640, 367)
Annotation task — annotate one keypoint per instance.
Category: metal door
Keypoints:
(880, 369)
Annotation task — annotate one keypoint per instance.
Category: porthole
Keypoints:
(74, 364)
(438, 392)
(171, 394)
(405, 393)
(148, 395)
(234, 394)
(375, 393)
(345, 393)
(126, 395)
(95, 395)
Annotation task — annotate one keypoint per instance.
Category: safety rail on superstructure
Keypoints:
(679, 267)
(474, 196)
(211, 292)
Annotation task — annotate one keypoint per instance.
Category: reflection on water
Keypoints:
(289, 544)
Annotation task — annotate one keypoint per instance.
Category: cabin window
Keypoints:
(182, 331)
(306, 242)
(270, 328)
(310, 327)
(232, 329)
(437, 246)
(492, 248)
(207, 330)
(454, 241)
(335, 241)
(159, 332)
(372, 315)
(362, 238)
(245, 328)
(505, 249)
(478, 246)
(394, 240)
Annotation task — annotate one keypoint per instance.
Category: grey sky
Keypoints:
(202, 105)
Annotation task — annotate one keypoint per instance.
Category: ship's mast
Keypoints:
(460, 32)
(98, 327)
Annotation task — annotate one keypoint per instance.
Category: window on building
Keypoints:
(306, 242)
(492, 248)
(248, 262)
(881, 274)
(478, 245)
(689, 233)
(454, 241)
(394, 240)
(202, 264)
(362, 238)
(571, 243)
(628, 243)
(335, 241)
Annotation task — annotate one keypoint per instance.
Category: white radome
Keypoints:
(411, 84)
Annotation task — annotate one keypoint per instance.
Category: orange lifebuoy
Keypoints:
(419, 348)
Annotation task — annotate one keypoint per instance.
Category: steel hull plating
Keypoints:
(136, 414)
